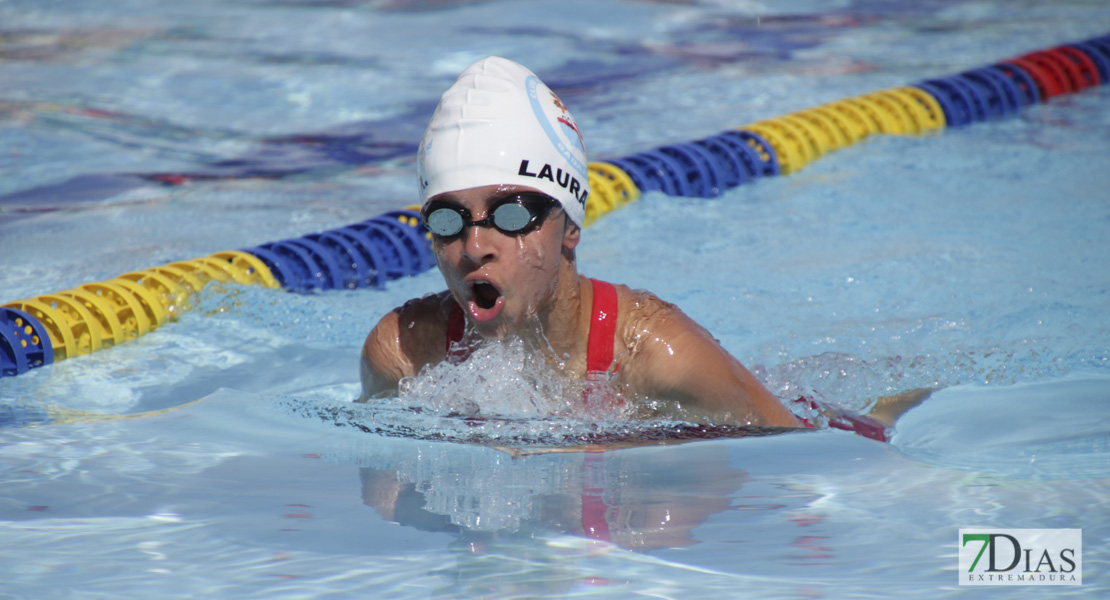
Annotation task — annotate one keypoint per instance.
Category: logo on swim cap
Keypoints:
(556, 121)
(567, 120)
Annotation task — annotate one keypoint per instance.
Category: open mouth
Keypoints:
(485, 295)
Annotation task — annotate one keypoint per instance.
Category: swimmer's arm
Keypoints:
(683, 362)
(382, 364)
(403, 342)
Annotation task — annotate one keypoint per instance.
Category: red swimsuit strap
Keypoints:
(603, 327)
(456, 324)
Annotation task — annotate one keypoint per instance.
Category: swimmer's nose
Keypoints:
(478, 245)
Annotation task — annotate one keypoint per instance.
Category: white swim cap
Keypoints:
(499, 124)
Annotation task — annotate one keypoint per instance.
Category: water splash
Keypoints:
(501, 378)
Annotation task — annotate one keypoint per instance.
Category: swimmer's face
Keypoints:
(502, 281)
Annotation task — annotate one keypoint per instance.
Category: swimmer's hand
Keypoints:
(888, 409)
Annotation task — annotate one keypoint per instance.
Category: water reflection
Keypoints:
(536, 518)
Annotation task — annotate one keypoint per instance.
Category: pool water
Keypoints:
(973, 261)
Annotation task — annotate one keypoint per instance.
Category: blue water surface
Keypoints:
(137, 133)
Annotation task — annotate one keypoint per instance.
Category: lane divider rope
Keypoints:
(44, 329)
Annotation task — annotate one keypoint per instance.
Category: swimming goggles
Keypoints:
(513, 215)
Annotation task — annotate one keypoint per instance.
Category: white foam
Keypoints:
(503, 378)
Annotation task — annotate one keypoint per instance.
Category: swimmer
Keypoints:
(503, 181)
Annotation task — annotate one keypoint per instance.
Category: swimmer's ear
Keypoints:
(572, 234)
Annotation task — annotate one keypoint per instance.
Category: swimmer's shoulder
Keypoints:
(648, 326)
(639, 309)
(646, 329)
(642, 316)
(409, 336)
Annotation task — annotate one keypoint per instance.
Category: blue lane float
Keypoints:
(362, 255)
(24, 343)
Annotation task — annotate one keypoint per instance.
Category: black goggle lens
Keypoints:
(444, 221)
(514, 215)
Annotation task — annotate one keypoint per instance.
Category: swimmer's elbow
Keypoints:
(374, 383)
